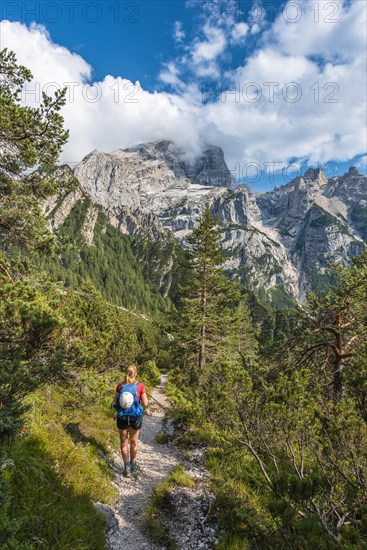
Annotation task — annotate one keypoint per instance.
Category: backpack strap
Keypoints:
(122, 384)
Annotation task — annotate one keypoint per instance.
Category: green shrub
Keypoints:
(150, 373)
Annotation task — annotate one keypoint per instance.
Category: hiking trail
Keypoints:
(156, 462)
(125, 529)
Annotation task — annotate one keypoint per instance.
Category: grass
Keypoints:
(179, 477)
(49, 511)
(234, 542)
(162, 438)
(156, 531)
(58, 466)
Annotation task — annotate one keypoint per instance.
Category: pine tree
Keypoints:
(243, 335)
(206, 262)
(30, 138)
(212, 321)
(335, 327)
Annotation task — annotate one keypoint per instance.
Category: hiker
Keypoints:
(130, 398)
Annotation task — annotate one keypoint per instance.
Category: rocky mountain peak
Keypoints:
(316, 175)
(209, 168)
(283, 238)
(354, 172)
(152, 149)
(150, 175)
(351, 188)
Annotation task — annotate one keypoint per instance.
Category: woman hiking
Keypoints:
(130, 398)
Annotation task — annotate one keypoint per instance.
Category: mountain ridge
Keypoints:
(283, 238)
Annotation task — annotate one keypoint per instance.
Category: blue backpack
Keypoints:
(136, 409)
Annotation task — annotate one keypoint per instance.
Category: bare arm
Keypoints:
(144, 399)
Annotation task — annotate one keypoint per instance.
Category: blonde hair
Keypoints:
(130, 374)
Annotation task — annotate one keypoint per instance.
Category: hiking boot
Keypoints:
(126, 470)
(135, 468)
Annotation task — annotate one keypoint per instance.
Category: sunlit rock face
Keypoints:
(284, 238)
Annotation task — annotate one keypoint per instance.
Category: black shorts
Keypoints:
(133, 422)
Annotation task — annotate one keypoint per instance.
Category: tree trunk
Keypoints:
(204, 298)
(338, 381)
(338, 362)
(202, 348)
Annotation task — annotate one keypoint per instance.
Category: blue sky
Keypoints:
(116, 37)
(126, 37)
(167, 53)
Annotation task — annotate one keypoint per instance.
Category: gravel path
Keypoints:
(156, 461)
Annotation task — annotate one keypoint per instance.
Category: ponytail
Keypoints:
(130, 374)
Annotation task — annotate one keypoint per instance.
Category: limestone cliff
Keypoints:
(284, 238)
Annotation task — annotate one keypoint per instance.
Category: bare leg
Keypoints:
(134, 437)
(124, 443)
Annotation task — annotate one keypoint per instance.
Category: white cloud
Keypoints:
(255, 29)
(204, 53)
(49, 61)
(209, 49)
(337, 31)
(239, 32)
(362, 163)
(325, 123)
(123, 113)
(178, 32)
(170, 76)
(257, 17)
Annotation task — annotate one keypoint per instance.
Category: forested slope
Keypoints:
(284, 423)
(132, 271)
